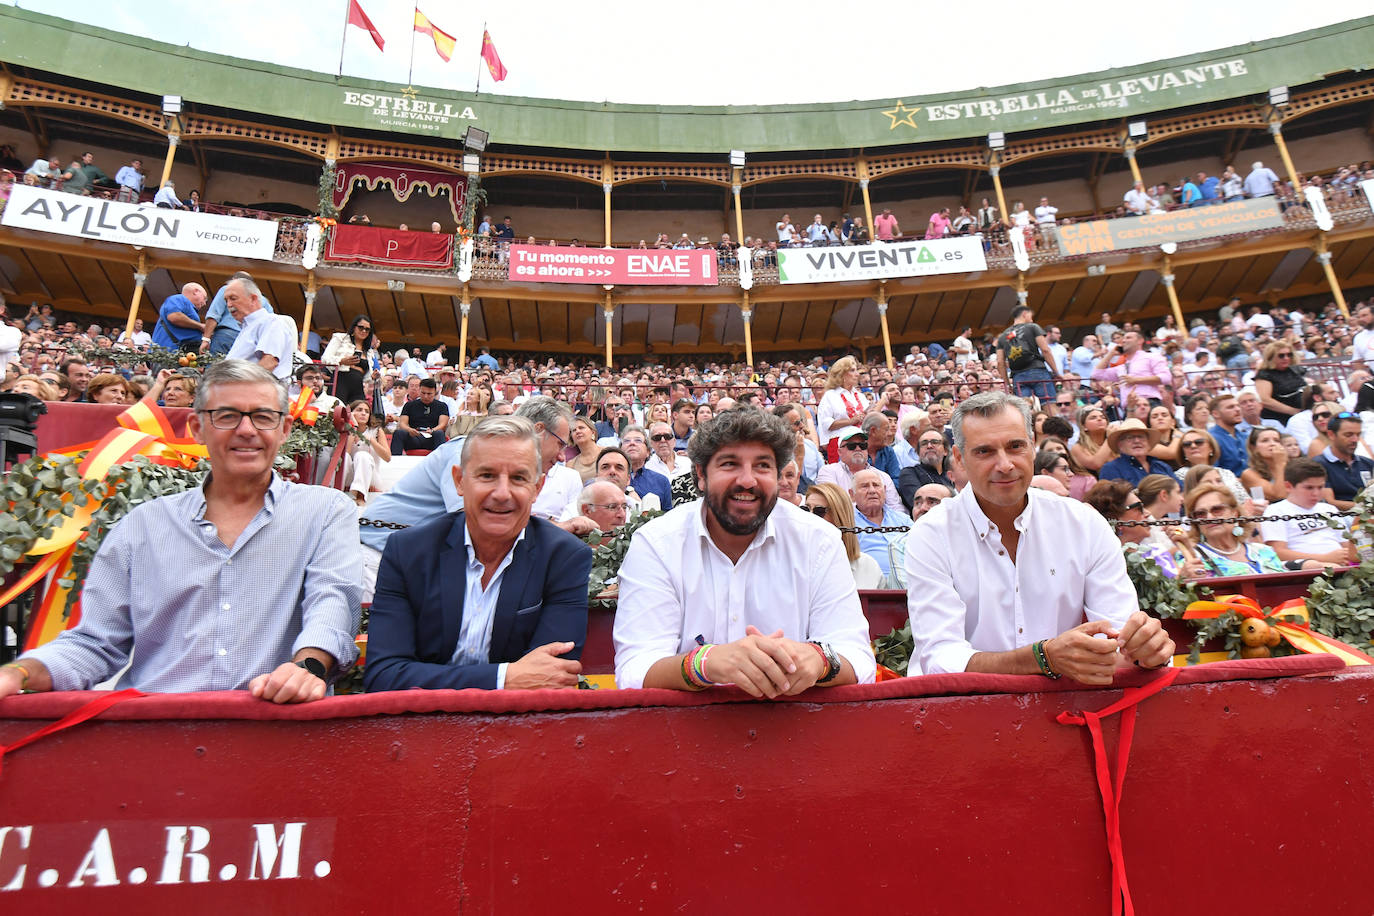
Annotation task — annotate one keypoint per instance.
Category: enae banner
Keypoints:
(881, 260)
(1128, 232)
(131, 224)
(623, 266)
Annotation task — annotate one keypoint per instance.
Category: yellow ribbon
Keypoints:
(303, 410)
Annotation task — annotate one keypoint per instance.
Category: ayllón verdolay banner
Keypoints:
(880, 260)
(1101, 235)
(621, 266)
(130, 224)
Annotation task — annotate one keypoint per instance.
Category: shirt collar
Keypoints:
(766, 532)
(472, 554)
(197, 507)
(984, 525)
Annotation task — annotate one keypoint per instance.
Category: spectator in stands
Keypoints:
(931, 468)
(1214, 540)
(1025, 356)
(684, 416)
(166, 197)
(829, 502)
(665, 460)
(1132, 440)
(940, 224)
(739, 589)
(221, 327)
(605, 504)
(45, 172)
(789, 479)
(262, 338)
(1305, 539)
(928, 497)
(878, 428)
(989, 602)
(351, 356)
(1052, 472)
(79, 376)
(1045, 215)
(1161, 419)
(1139, 201)
(886, 227)
(1346, 472)
(1207, 189)
(842, 406)
(1136, 370)
(292, 613)
(108, 388)
(35, 386)
(584, 439)
(367, 451)
(1226, 418)
(869, 496)
(1321, 413)
(1260, 182)
(1232, 187)
(853, 449)
(515, 616)
(83, 175)
(1280, 382)
(178, 323)
(1268, 462)
(172, 389)
(645, 481)
(422, 422)
(130, 181)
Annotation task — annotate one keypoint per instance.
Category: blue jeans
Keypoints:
(1036, 382)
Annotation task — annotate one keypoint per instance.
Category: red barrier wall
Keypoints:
(897, 797)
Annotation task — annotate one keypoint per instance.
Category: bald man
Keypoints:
(178, 320)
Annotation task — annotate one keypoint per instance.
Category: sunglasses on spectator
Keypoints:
(662, 437)
(1214, 512)
(855, 446)
(1194, 443)
(1136, 505)
(819, 511)
(1346, 415)
(1324, 415)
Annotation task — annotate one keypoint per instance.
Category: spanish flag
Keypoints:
(443, 41)
(498, 70)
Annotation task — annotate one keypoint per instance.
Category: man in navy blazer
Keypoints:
(487, 597)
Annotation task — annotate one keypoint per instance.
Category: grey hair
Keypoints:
(543, 409)
(503, 428)
(872, 422)
(237, 372)
(988, 404)
(635, 428)
(250, 288)
(586, 497)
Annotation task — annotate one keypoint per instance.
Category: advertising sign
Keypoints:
(131, 224)
(1102, 235)
(619, 266)
(881, 260)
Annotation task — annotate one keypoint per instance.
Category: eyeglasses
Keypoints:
(1214, 512)
(364, 327)
(1136, 505)
(229, 418)
(1283, 356)
(928, 442)
(562, 443)
(855, 446)
(609, 507)
(662, 437)
(818, 511)
(1194, 443)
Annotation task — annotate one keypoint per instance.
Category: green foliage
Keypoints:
(307, 440)
(156, 358)
(607, 556)
(1342, 605)
(325, 206)
(475, 197)
(893, 651)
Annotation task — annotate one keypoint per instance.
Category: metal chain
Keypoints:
(1235, 520)
(378, 523)
(876, 530)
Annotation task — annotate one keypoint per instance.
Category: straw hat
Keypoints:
(1131, 426)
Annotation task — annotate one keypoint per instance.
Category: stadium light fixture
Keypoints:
(997, 140)
(1137, 130)
(475, 139)
(1278, 96)
(171, 104)
(737, 158)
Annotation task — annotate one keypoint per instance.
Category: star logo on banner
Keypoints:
(410, 92)
(902, 115)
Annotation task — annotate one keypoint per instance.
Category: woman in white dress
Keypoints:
(842, 404)
(367, 449)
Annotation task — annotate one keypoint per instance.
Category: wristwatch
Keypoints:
(832, 661)
(314, 666)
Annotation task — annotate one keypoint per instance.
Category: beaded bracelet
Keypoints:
(1041, 659)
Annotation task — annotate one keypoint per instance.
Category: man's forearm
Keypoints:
(182, 320)
(26, 674)
(1014, 661)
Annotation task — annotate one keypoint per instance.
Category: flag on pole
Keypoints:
(443, 41)
(357, 17)
(498, 69)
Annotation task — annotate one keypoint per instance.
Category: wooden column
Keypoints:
(140, 277)
(1130, 160)
(1167, 278)
(1276, 129)
(1324, 259)
(607, 174)
(862, 168)
(995, 170)
(173, 141)
(609, 308)
(465, 306)
(309, 307)
(882, 320)
(747, 314)
(735, 186)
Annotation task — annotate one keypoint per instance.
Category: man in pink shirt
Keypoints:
(1136, 370)
(885, 226)
(939, 224)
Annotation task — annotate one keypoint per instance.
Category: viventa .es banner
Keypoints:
(881, 260)
(130, 224)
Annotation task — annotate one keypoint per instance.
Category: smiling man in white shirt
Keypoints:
(738, 587)
(994, 584)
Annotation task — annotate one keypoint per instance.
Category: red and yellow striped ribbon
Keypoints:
(302, 409)
(1298, 631)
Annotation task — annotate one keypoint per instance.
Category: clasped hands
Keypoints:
(766, 665)
(1091, 652)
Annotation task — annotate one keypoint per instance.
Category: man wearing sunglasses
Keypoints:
(246, 582)
(664, 459)
(854, 457)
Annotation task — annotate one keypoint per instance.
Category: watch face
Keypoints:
(314, 666)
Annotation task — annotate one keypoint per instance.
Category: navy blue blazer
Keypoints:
(417, 611)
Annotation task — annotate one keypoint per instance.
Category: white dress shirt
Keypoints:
(562, 485)
(479, 610)
(261, 335)
(680, 466)
(676, 584)
(964, 593)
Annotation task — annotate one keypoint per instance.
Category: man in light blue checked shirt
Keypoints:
(245, 582)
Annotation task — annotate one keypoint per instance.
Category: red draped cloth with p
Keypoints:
(390, 247)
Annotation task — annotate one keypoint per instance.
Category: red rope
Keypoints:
(75, 717)
(1111, 792)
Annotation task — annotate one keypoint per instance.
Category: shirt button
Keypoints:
(1020, 629)
(222, 652)
(228, 562)
(1001, 553)
(224, 607)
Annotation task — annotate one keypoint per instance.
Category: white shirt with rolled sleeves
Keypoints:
(966, 596)
(675, 584)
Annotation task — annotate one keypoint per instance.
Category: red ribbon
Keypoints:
(75, 717)
(1111, 793)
